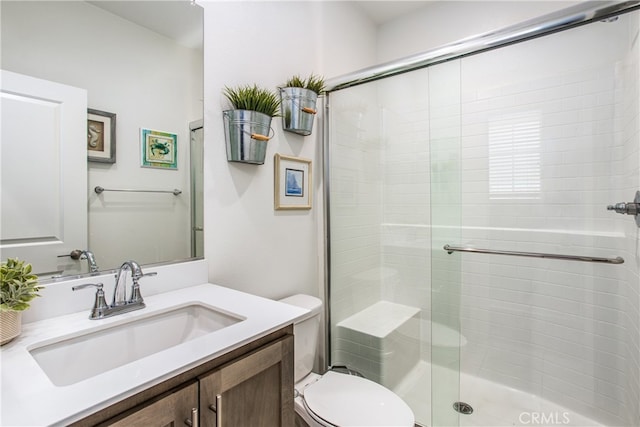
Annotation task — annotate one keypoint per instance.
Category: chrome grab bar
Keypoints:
(616, 260)
(175, 192)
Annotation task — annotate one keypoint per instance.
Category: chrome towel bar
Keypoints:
(175, 191)
(617, 260)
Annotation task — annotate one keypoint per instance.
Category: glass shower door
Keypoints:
(445, 164)
(520, 149)
(549, 138)
(380, 235)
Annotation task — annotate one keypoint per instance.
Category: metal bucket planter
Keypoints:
(298, 107)
(246, 133)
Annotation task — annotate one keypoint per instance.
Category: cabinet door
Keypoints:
(173, 410)
(255, 390)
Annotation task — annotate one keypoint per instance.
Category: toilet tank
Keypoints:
(306, 330)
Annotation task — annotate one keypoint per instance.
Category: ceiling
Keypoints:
(381, 12)
(179, 20)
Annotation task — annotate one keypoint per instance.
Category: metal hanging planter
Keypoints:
(246, 133)
(298, 107)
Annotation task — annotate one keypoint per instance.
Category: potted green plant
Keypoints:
(248, 123)
(18, 286)
(298, 100)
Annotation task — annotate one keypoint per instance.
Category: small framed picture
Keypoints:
(292, 183)
(159, 149)
(101, 136)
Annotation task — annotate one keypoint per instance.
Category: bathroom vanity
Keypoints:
(203, 352)
(248, 386)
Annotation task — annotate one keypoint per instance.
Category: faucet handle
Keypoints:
(100, 304)
(136, 296)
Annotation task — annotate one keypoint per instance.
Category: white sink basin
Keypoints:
(73, 359)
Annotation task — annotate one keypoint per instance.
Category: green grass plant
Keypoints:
(253, 98)
(313, 82)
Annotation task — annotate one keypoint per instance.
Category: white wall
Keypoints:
(443, 22)
(248, 244)
(153, 83)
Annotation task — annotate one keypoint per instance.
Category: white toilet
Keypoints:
(337, 399)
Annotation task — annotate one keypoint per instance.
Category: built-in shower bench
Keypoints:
(382, 341)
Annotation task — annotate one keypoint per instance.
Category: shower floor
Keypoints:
(494, 405)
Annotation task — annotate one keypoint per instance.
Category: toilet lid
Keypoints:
(346, 400)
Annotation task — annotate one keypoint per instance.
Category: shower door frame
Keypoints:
(575, 16)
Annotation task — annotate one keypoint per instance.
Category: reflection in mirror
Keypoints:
(140, 63)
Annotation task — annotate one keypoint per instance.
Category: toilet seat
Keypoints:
(345, 400)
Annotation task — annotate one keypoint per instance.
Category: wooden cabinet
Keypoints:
(256, 390)
(178, 408)
(249, 386)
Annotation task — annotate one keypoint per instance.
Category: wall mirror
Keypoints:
(139, 65)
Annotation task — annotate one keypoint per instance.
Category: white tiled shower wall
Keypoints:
(630, 275)
(406, 213)
(568, 332)
(379, 206)
(355, 213)
(553, 328)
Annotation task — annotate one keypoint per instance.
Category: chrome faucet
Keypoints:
(77, 254)
(120, 302)
(91, 259)
(120, 292)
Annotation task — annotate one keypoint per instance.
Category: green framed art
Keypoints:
(159, 149)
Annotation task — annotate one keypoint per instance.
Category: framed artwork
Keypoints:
(292, 188)
(101, 136)
(159, 149)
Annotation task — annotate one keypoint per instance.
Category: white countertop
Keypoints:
(29, 398)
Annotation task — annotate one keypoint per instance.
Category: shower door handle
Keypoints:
(630, 208)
